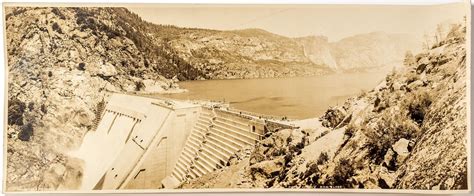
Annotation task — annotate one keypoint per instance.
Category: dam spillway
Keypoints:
(146, 143)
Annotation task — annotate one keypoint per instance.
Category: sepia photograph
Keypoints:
(236, 97)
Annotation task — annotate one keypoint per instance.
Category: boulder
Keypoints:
(58, 169)
(422, 64)
(102, 70)
(397, 86)
(333, 117)
(415, 84)
(370, 184)
(389, 159)
(269, 168)
(388, 177)
(110, 88)
(107, 70)
(401, 148)
(152, 86)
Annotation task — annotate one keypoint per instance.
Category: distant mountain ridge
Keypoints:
(359, 52)
(257, 49)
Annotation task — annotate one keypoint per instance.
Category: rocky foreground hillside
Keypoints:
(410, 132)
(59, 69)
(61, 64)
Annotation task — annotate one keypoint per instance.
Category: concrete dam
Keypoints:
(146, 143)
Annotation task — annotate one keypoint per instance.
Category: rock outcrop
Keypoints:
(62, 62)
(409, 132)
(249, 53)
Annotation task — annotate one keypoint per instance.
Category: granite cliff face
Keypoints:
(360, 52)
(409, 132)
(192, 54)
(249, 53)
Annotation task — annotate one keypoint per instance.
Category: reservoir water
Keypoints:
(295, 98)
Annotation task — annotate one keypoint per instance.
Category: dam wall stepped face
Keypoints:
(217, 135)
(144, 143)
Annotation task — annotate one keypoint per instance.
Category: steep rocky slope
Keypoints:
(360, 52)
(255, 53)
(409, 132)
(190, 53)
(249, 53)
(61, 64)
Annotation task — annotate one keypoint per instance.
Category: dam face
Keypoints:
(144, 143)
(135, 132)
(216, 136)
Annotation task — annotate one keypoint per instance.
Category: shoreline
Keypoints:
(378, 70)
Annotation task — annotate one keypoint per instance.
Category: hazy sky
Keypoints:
(333, 21)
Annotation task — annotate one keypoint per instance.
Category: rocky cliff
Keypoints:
(61, 64)
(249, 53)
(190, 53)
(409, 132)
(362, 52)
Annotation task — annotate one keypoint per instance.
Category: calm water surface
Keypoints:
(296, 98)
